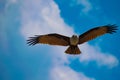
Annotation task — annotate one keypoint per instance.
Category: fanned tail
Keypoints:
(73, 50)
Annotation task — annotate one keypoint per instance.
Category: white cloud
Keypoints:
(89, 54)
(66, 73)
(60, 57)
(92, 53)
(43, 17)
(60, 70)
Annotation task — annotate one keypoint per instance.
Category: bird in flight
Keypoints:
(74, 41)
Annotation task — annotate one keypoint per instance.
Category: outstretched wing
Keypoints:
(51, 39)
(95, 32)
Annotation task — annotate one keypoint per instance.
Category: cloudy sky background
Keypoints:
(20, 19)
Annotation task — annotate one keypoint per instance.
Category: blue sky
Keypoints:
(20, 19)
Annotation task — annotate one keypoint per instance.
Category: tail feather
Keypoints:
(73, 50)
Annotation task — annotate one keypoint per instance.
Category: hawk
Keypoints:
(74, 41)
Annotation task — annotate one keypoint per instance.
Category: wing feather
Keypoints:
(95, 32)
(51, 39)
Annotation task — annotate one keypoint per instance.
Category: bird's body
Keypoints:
(74, 41)
(73, 48)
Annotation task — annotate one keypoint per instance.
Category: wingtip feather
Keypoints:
(111, 28)
(32, 41)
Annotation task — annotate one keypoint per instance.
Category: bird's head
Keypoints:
(74, 36)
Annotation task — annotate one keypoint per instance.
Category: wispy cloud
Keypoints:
(66, 73)
(86, 5)
(92, 53)
(43, 17)
(13, 1)
(89, 54)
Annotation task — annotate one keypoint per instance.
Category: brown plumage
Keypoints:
(74, 41)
